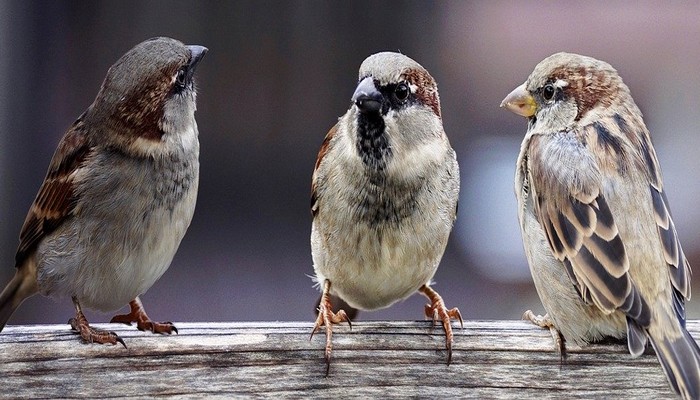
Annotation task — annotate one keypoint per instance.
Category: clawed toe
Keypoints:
(157, 327)
(93, 335)
(437, 310)
(143, 323)
(326, 317)
(546, 322)
(88, 333)
(539, 320)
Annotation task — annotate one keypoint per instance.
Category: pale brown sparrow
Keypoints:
(596, 224)
(119, 193)
(384, 195)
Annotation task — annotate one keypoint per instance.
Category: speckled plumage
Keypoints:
(385, 188)
(119, 194)
(596, 225)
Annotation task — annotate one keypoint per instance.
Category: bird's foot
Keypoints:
(546, 322)
(437, 310)
(143, 323)
(93, 335)
(326, 317)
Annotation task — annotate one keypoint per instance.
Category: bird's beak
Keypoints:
(520, 101)
(198, 53)
(366, 97)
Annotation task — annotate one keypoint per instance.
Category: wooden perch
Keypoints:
(492, 359)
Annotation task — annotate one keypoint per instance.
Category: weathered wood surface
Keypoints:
(492, 359)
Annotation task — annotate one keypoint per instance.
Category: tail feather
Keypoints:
(22, 286)
(680, 359)
(636, 338)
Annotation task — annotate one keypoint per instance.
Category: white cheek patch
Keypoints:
(560, 83)
(147, 147)
(186, 138)
(414, 87)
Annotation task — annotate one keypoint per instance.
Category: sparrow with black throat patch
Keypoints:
(384, 196)
(596, 223)
(119, 193)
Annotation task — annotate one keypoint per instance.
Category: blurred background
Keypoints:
(277, 77)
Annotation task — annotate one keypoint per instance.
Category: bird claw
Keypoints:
(546, 322)
(437, 310)
(143, 323)
(93, 335)
(326, 317)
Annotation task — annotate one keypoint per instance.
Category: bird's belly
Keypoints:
(371, 269)
(107, 262)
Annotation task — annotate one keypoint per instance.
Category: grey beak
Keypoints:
(366, 97)
(198, 53)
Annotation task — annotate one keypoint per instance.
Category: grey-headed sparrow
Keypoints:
(119, 193)
(384, 195)
(596, 224)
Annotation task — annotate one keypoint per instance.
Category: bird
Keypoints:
(384, 196)
(595, 220)
(119, 193)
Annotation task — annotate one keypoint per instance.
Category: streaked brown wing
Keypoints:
(321, 154)
(678, 264)
(56, 198)
(646, 159)
(581, 231)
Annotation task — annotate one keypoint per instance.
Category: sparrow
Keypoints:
(596, 224)
(119, 193)
(384, 196)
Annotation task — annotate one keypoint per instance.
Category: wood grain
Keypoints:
(492, 359)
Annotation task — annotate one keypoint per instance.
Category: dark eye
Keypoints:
(181, 77)
(402, 91)
(548, 92)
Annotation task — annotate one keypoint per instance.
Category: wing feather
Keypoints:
(57, 197)
(321, 154)
(679, 268)
(580, 226)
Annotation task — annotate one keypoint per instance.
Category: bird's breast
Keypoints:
(381, 202)
(130, 219)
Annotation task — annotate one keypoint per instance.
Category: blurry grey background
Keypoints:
(278, 75)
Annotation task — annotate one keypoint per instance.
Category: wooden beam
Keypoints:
(492, 359)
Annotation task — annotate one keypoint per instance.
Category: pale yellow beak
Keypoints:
(520, 101)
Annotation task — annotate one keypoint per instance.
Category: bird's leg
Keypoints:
(547, 323)
(327, 317)
(437, 310)
(143, 323)
(88, 333)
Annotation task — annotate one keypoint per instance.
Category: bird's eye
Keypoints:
(402, 91)
(181, 77)
(548, 92)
